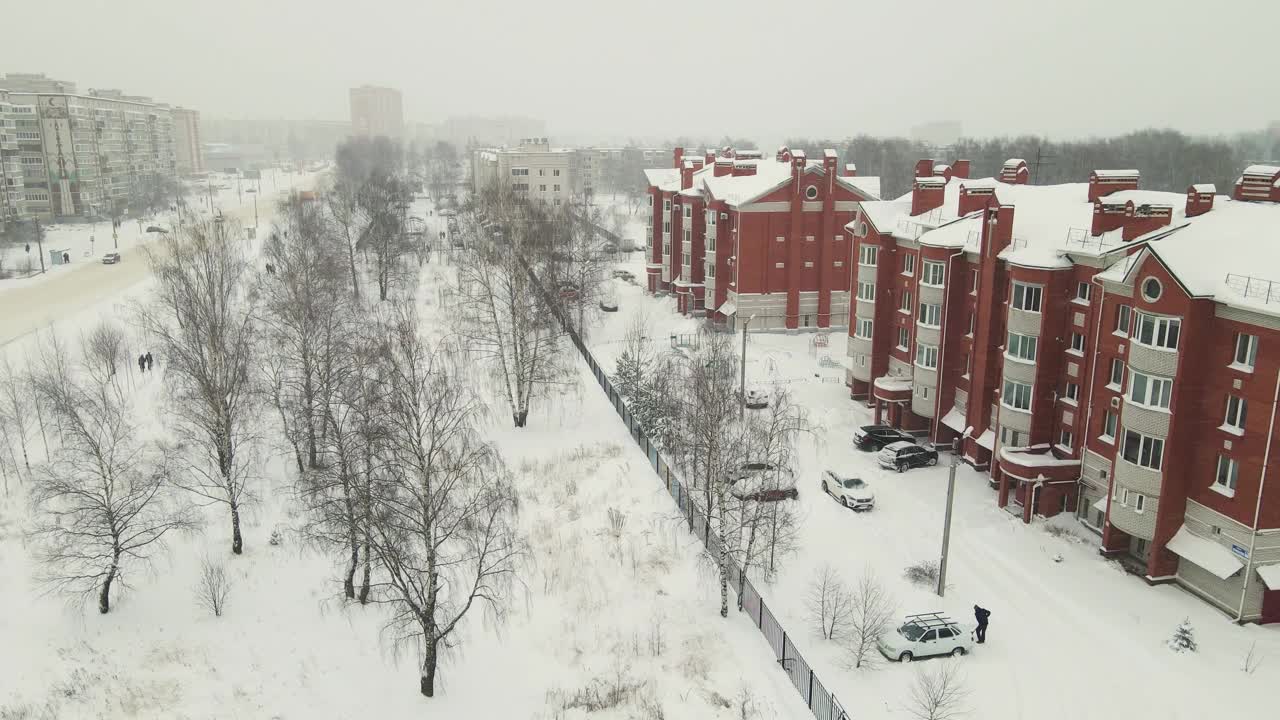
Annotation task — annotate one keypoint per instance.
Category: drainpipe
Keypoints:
(942, 336)
(1093, 375)
(1257, 509)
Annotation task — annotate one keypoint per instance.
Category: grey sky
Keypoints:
(762, 69)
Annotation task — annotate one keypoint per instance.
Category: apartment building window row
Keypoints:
(1027, 297)
(908, 264)
(1142, 450)
(933, 273)
(1110, 421)
(866, 291)
(1016, 395)
(863, 328)
(927, 356)
(1116, 381)
(905, 302)
(1156, 331)
(904, 338)
(1083, 291)
(930, 314)
(1072, 392)
(1149, 390)
(1022, 347)
(1077, 343)
(868, 255)
(1246, 351)
(1127, 497)
(710, 271)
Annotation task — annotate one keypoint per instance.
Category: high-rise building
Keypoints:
(186, 135)
(12, 186)
(377, 111)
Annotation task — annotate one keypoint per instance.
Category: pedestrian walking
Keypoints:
(982, 615)
(142, 363)
(149, 360)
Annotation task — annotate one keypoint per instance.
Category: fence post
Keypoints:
(810, 688)
(783, 659)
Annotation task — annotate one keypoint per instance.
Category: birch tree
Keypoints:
(17, 408)
(201, 315)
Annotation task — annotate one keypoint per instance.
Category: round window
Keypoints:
(811, 192)
(1151, 289)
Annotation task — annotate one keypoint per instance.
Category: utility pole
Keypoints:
(742, 368)
(946, 522)
(40, 245)
(1042, 158)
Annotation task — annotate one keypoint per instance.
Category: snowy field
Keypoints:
(1072, 635)
(609, 602)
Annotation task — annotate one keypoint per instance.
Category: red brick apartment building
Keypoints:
(1101, 349)
(736, 234)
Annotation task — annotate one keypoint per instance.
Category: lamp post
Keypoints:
(742, 381)
(946, 521)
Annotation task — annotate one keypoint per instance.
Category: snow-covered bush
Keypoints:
(276, 537)
(1183, 639)
(922, 573)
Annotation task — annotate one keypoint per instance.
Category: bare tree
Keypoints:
(576, 265)
(101, 504)
(213, 586)
(103, 348)
(17, 404)
(443, 530)
(201, 314)
(871, 614)
(347, 219)
(384, 200)
(829, 603)
(938, 693)
(772, 438)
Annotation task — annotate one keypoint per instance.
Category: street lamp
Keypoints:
(946, 522)
(742, 382)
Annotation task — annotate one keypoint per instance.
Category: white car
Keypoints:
(853, 493)
(925, 635)
(757, 398)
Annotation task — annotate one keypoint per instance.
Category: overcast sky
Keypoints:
(763, 69)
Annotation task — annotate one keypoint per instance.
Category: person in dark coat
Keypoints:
(149, 360)
(142, 363)
(981, 614)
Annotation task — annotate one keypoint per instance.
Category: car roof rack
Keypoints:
(930, 620)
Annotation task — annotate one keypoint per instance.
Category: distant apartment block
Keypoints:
(533, 169)
(189, 149)
(12, 184)
(377, 111)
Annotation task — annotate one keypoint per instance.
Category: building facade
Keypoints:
(532, 169)
(377, 111)
(189, 148)
(735, 234)
(1099, 349)
(12, 184)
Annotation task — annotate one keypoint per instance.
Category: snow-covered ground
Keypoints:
(596, 608)
(1072, 635)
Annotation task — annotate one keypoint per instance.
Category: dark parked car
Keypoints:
(764, 482)
(874, 437)
(155, 229)
(903, 455)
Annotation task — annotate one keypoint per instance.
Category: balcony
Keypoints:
(1148, 421)
(929, 334)
(932, 294)
(1023, 322)
(1154, 361)
(1015, 419)
(1138, 524)
(1020, 370)
(1136, 477)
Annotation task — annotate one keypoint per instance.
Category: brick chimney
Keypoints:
(1105, 182)
(829, 162)
(927, 193)
(974, 198)
(1142, 219)
(998, 228)
(1200, 198)
(677, 158)
(724, 166)
(960, 169)
(744, 167)
(1107, 216)
(1258, 182)
(798, 161)
(1015, 172)
(686, 176)
(708, 157)
(850, 170)
(784, 155)
(924, 168)
(943, 171)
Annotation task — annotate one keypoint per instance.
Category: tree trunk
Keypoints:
(427, 684)
(520, 417)
(348, 582)
(355, 283)
(104, 595)
(724, 559)
(237, 542)
(364, 580)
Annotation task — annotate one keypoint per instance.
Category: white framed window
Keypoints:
(866, 291)
(838, 238)
(1124, 314)
(1077, 342)
(930, 314)
(688, 212)
(688, 235)
(1142, 450)
(1246, 351)
(1016, 395)
(1027, 297)
(710, 271)
(905, 301)
(710, 243)
(808, 238)
(1065, 438)
(666, 248)
(904, 338)
(1139, 502)
(868, 254)
(1022, 347)
(1083, 290)
(666, 227)
(1227, 476)
(779, 265)
(1117, 374)
(1010, 437)
(934, 273)
(863, 328)
(908, 264)
(927, 356)
(779, 239)
(1149, 390)
(1237, 410)
(1110, 421)
(838, 263)
(1072, 392)
(1156, 331)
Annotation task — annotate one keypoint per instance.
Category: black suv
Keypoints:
(874, 437)
(902, 455)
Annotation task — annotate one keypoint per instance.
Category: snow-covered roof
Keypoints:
(1268, 170)
(1012, 163)
(884, 214)
(868, 185)
(1205, 188)
(1027, 459)
(987, 439)
(1144, 197)
(665, 179)
(742, 189)
(954, 419)
(1270, 575)
(1208, 554)
(828, 153)
(890, 383)
(1101, 504)
(727, 308)
(1130, 172)
(931, 180)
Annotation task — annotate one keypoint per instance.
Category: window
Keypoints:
(1022, 347)
(666, 227)
(1117, 373)
(1109, 422)
(542, 188)
(1139, 502)
(1237, 409)
(1142, 450)
(555, 173)
(557, 188)
(808, 263)
(908, 264)
(1082, 291)
(967, 359)
(1027, 297)
(666, 204)
(905, 304)
(927, 356)
(1077, 342)
(1246, 350)
(1072, 392)
(808, 238)
(934, 273)
(1149, 390)
(1016, 395)
(1151, 289)
(866, 291)
(930, 314)
(711, 243)
(1010, 437)
(779, 265)
(1123, 315)
(688, 235)
(904, 338)
(867, 255)
(1065, 438)
(1228, 474)
(710, 272)
(838, 263)
(811, 192)
(1156, 331)
(863, 328)
(688, 212)
(541, 172)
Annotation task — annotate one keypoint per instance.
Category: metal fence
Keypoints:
(821, 702)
